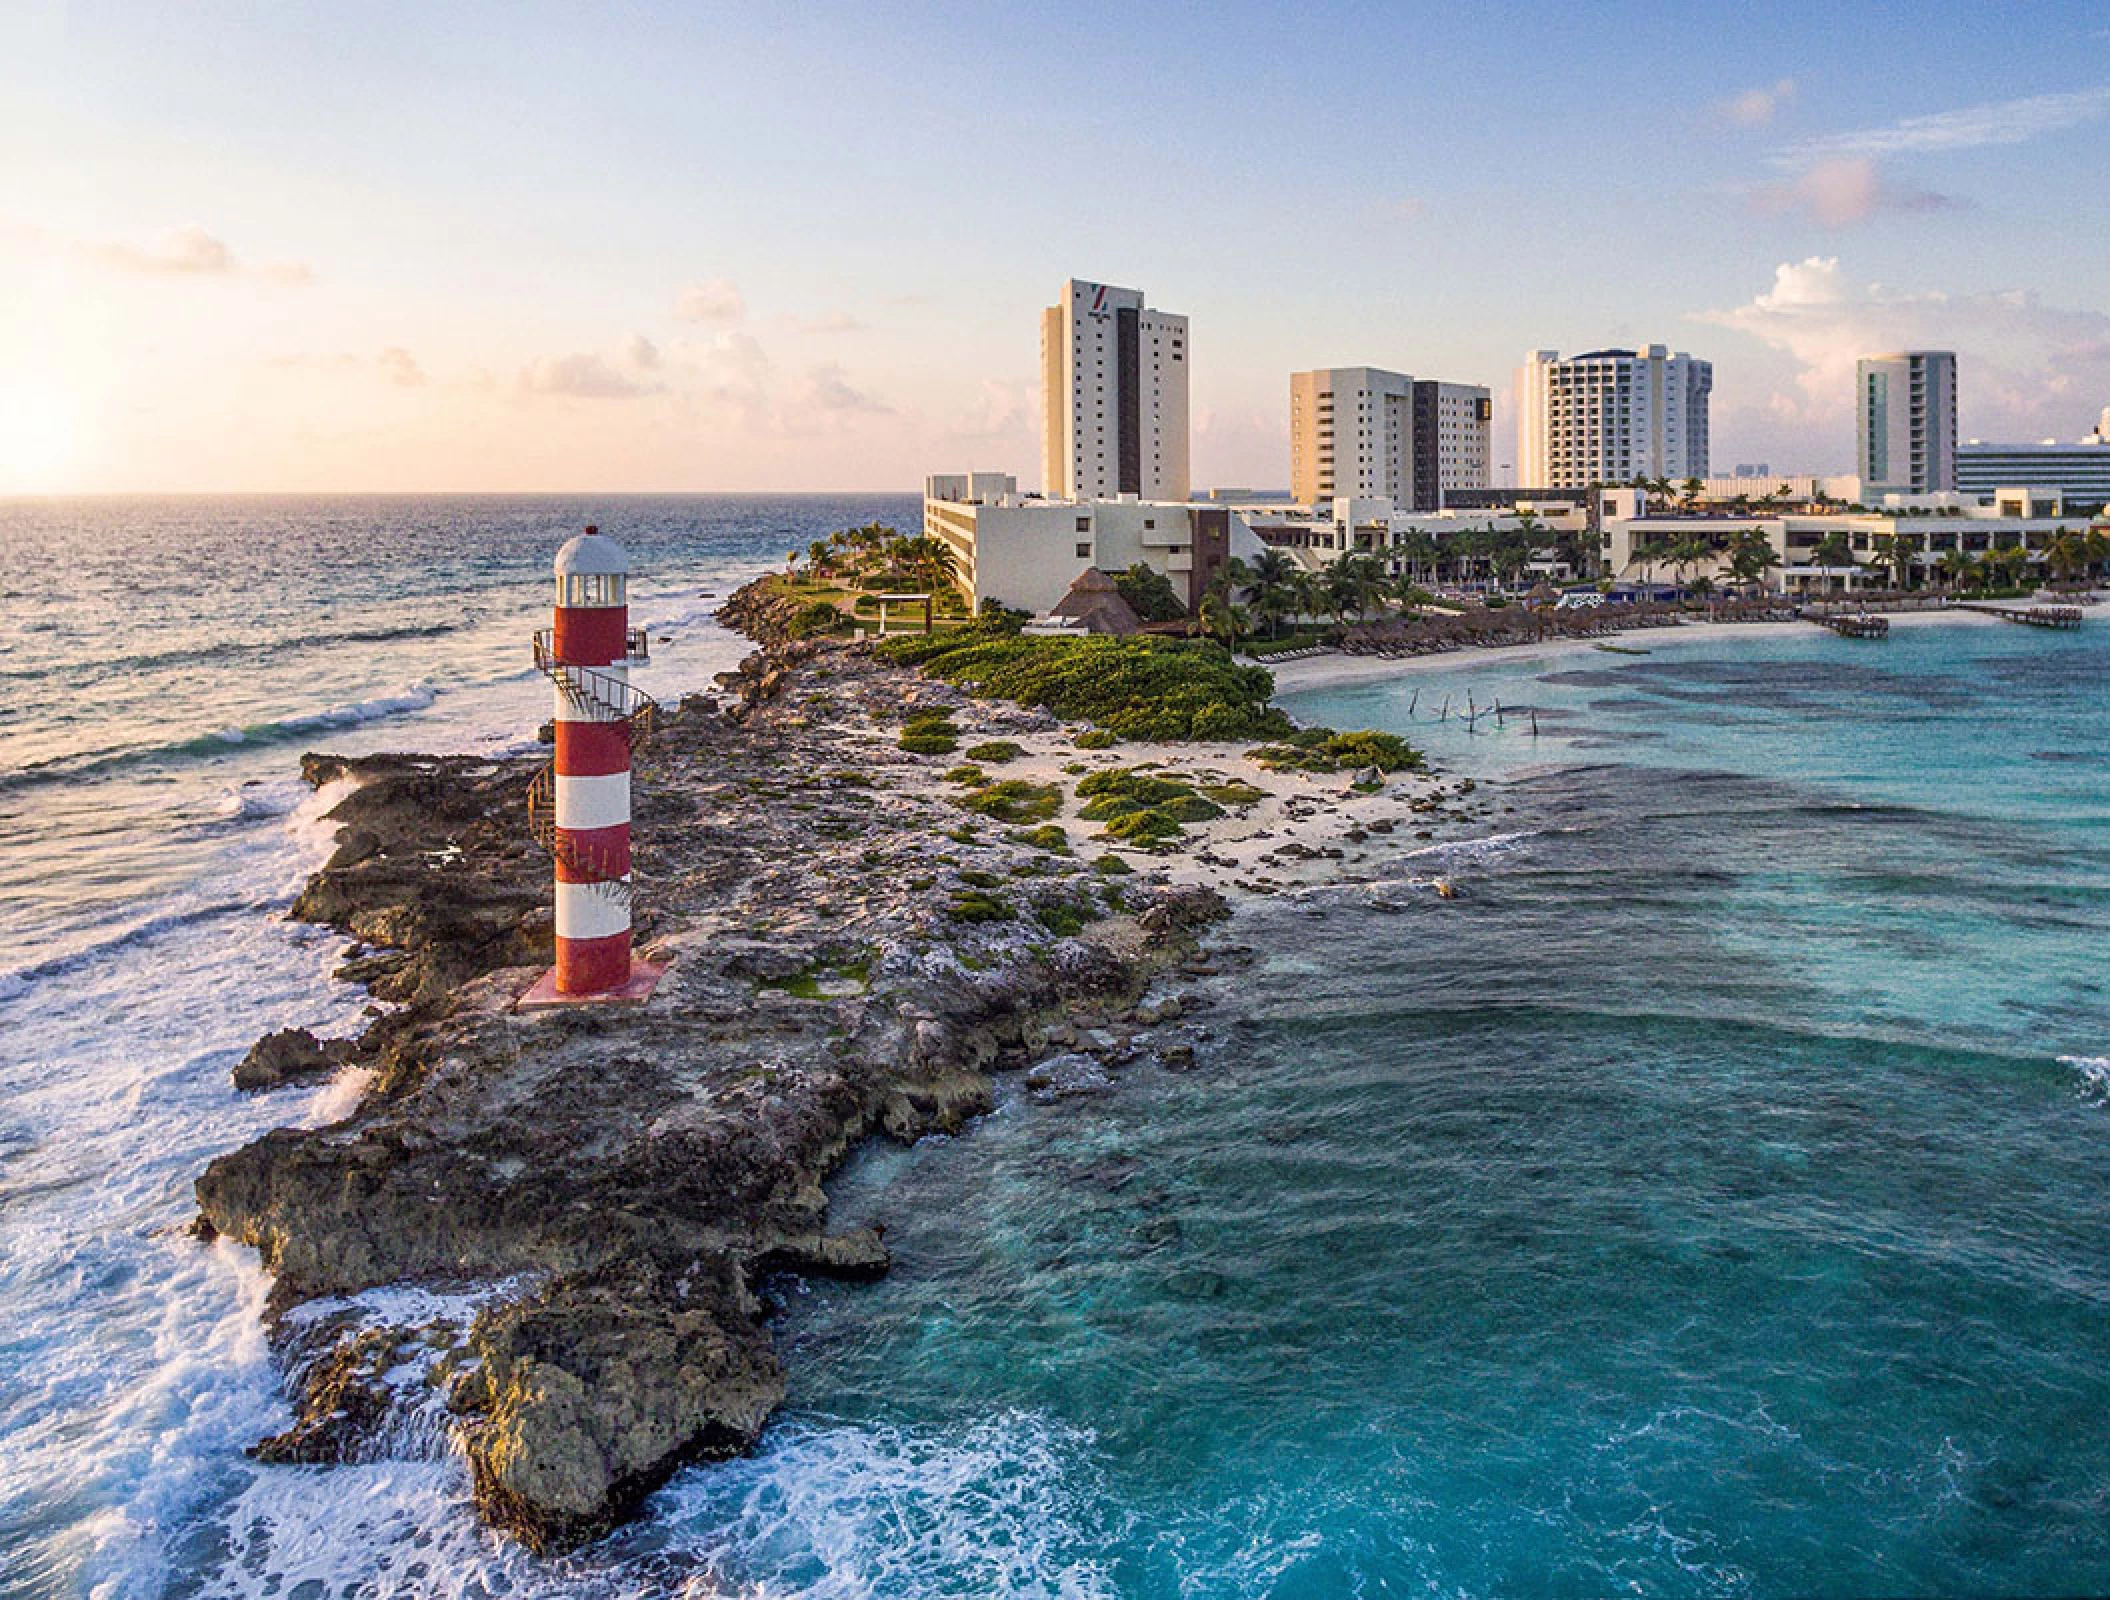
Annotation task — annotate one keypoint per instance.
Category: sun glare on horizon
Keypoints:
(39, 438)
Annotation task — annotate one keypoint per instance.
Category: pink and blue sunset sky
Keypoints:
(482, 247)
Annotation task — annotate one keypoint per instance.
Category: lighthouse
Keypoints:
(579, 805)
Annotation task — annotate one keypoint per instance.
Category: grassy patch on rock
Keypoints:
(1125, 791)
(994, 752)
(1015, 800)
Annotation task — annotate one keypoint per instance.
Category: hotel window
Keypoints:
(1084, 550)
(1084, 524)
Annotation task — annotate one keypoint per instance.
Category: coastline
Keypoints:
(1327, 671)
(597, 1200)
(854, 952)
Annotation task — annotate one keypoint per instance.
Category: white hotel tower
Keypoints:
(1608, 415)
(1114, 393)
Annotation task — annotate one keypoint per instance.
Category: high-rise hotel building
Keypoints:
(1367, 432)
(1905, 410)
(1114, 396)
(1611, 415)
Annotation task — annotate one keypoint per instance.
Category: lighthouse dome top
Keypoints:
(591, 554)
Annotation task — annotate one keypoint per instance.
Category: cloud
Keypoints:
(2001, 122)
(641, 353)
(400, 367)
(192, 252)
(584, 376)
(715, 301)
(1848, 189)
(394, 363)
(1004, 409)
(2024, 369)
(827, 389)
(833, 322)
(1754, 108)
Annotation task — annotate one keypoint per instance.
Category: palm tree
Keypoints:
(1835, 551)
(1270, 575)
(2068, 556)
(1688, 553)
(1307, 590)
(1750, 555)
(1691, 490)
(1895, 551)
(1221, 620)
(1957, 567)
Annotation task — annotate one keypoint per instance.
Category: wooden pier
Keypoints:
(2032, 616)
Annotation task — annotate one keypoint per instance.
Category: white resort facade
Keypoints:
(1826, 549)
(1369, 431)
(1113, 396)
(1025, 552)
(1607, 416)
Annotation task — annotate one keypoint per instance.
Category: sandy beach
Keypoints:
(1326, 671)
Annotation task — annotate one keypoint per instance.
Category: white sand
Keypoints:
(1324, 672)
(1314, 811)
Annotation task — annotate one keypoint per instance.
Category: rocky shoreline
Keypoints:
(544, 1238)
(588, 1204)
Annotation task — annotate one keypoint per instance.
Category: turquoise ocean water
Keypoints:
(1710, 1201)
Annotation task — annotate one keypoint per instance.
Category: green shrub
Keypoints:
(1149, 593)
(971, 906)
(996, 752)
(1139, 688)
(1016, 800)
(1147, 826)
(1233, 793)
(1096, 739)
(973, 777)
(1063, 918)
(1112, 866)
(819, 617)
(1048, 836)
(937, 720)
(1125, 791)
(929, 744)
(976, 878)
(1323, 750)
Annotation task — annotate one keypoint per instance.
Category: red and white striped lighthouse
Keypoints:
(579, 807)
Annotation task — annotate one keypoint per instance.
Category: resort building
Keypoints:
(1351, 431)
(1834, 550)
(1451, 425)
(1369, 432)
(1905, 407)
(1317, 536)
(1026, 552)
(1113, 395)
(1608, 416)
(2080, 471)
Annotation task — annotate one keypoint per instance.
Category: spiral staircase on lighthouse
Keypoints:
(605, 698)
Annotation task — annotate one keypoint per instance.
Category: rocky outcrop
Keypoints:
(635, 1176)
(292, 1055)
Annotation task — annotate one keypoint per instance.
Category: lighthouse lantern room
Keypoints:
(579, 805)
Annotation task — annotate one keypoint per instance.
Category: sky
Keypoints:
(288, 246)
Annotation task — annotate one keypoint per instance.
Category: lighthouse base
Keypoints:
(545, 995)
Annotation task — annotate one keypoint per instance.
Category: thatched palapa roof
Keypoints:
(1096, 605)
